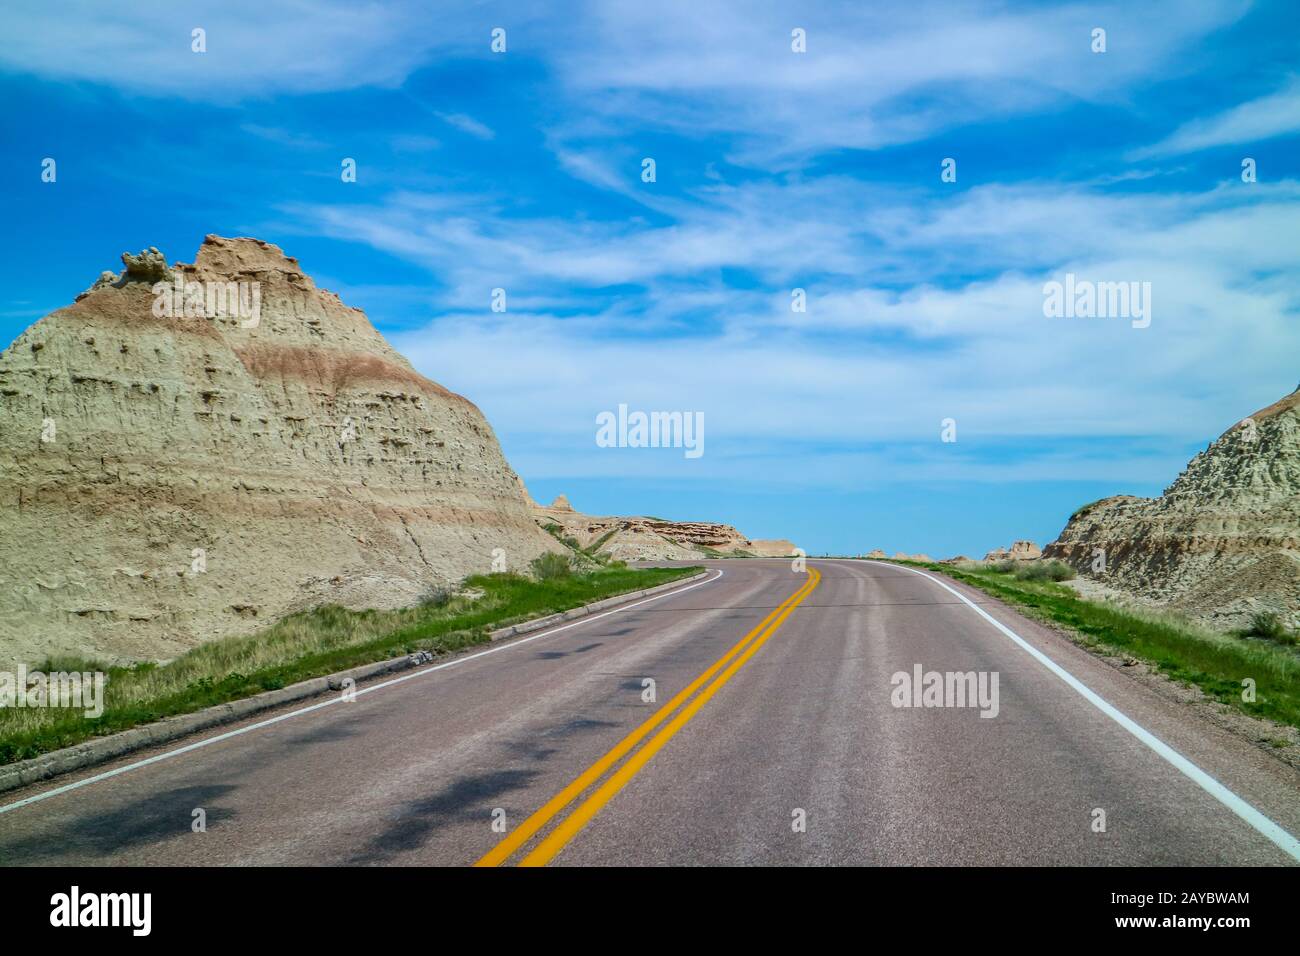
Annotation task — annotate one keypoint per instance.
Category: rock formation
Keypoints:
(1221, 542)
(1019, 551)
(772, 548)
(641, 538)
(190, 452)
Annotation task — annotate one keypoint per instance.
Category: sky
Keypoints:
(523, 170)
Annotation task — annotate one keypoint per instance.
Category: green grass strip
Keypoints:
(306, 645)
(1216, 663)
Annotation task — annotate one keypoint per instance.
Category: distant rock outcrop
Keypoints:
(641, 538)
(1019, 551)
(189, 452)
(772, 548)
(1221, 542)
(879, 555)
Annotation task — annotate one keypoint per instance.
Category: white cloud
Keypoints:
(254, 48)
(282, 137)
(467, 124)
(874, 74)
(919, 309)
(1274, 115)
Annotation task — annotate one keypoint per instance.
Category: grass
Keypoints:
(556, 532)
(311, 644)
(593, 549)
(580, 559)
(1216, 663)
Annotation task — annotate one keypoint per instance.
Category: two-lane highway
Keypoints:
(773, 735)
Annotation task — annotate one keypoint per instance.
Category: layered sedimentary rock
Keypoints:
(1221, 542)
(1019, 551)
(642, 538)
(772, 547)
(171, 472)
(878, 554)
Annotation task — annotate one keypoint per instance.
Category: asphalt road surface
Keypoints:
(772, 738)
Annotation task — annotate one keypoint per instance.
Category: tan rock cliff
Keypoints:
(167, 480)
(1221, 542)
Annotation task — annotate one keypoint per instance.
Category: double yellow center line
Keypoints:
(728, 664)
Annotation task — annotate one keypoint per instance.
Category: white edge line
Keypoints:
(78, 784)
(1284, 840)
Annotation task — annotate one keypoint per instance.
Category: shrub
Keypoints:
(1060, 571)
(435, 596)
(1044, 571)
(549, 566)
(1269, 626)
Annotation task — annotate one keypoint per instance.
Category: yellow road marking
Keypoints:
(522, 833)
(569, 827)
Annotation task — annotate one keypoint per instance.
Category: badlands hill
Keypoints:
(652, 539)
(169, 478)
(1222, 541)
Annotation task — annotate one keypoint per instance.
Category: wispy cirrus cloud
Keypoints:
(253, 49)
(467, 124)
(1264, 118)
(282, 137)
(876, 74)
(918, 308)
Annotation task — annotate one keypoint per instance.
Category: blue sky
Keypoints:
(775, 170)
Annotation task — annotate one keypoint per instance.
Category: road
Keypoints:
(788, 752)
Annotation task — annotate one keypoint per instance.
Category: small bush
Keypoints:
(1269, 626)
(1030, 572)
(1060, 571)
(435, 596)
(549, 566)
(1044, 571)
